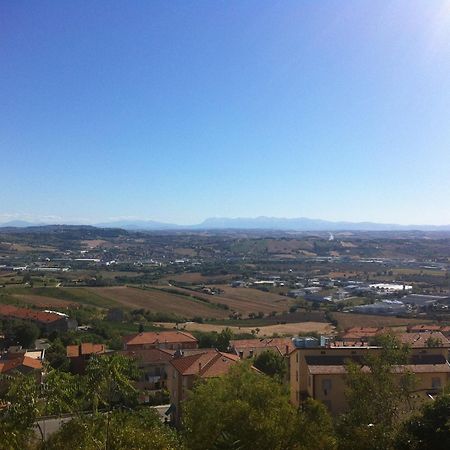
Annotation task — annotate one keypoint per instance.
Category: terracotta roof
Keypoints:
(152, 337)
(419, 340)
(25, 361)
(29, 314)
(266, 343)
(206, 365)
(86, 348)
(150, 356)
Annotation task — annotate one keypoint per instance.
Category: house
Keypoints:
(320, 371)
(361, 334)
(153, 365)
(184, 371)
(170, 340)
(247, 348)
(48, 320)
(80, 354)
(21, 364)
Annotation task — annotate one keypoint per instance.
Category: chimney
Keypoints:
(199, 367)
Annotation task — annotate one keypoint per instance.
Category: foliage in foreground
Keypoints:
(117, 430)
(251, 411)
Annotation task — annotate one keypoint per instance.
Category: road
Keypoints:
(52, 424)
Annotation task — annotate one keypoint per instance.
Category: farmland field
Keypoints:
(347, 320)
(198, 278)
(43, 301)
(244, 300)
(290, 329)
(159, 301)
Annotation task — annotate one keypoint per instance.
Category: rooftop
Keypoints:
(152, 337)
(206, 365)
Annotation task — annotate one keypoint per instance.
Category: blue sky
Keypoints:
(178, 111)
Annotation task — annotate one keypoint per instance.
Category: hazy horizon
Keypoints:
(180, 111)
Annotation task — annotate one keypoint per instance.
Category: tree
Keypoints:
(245, 410)
(223, 339)
(60, 393)
(118, 430)
(109, 381)
(428, 430)
(377, 397)
(272, 364)
(21, 398)
(25, 333)
(56, 355)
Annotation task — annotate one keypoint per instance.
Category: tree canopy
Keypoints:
(246, 409)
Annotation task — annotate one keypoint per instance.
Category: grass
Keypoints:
(82, 296)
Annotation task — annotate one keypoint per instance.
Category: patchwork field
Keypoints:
(43, 301)
(347, 320)
(289, 329)
(159, 301)
(244, 300)
(198, 278)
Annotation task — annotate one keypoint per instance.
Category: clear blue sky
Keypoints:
(177, 111)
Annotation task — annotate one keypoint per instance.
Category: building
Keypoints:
(79, 355)
(48, 320)
(184, 371)
(170, 340)
(247, 348)
(20, 364)
(319, 371)
(153, 364)
(421, 301)
(361, 334)
(384, 307)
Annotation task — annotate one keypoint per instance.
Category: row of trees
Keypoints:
(243, 410)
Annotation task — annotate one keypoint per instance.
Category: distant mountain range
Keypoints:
(257, 223)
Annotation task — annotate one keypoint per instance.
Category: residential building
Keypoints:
(170, 340)
(247, 348)
(153, 364)
(79, 355)
(319, 371)
(184, 371)
(49, 321)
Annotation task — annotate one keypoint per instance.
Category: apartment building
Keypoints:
(319, 371)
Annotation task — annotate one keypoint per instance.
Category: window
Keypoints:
(326, 386)
(436, 383)
(296, 375)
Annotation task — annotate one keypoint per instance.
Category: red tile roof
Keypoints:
(267, 343)
(16, 363)
(419, 340)
(28, 314)
(205, 365)
(150, 356)
(86, 348)
(152, 337)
